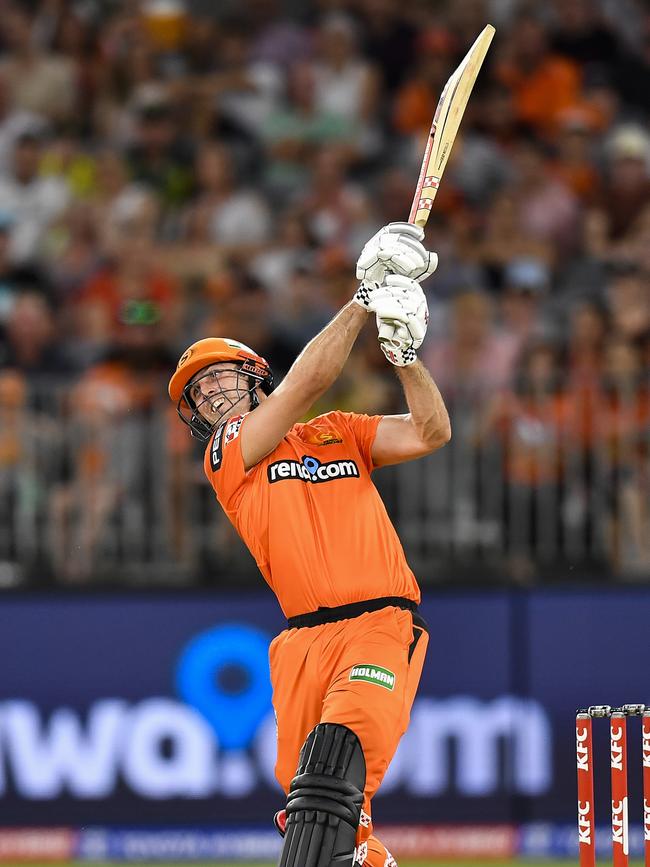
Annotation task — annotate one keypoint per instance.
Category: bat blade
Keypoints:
(446, 121)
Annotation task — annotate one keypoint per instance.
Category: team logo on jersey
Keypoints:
(312, 470)
(232, 430)
(373, 674)
(324, 438)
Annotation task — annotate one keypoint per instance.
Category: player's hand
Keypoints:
(400, 307)
(396, 249)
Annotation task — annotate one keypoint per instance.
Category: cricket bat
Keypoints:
(446, 121)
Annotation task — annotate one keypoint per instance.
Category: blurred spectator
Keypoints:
(15, 279)
(103, 466)
(523, 301)
(13, 415)
(623, 426)
(628, 297)
(17, 483)
(574, 162)
(221, 213)
(13, 122)
(531, 421)
(29, 342)
(245, 89)
(132, 301)
(626, 190)
(300, 311)
(160, 157)
(278, 39)
(582, 33)
(33, 202)
(543, 84)
(417, 98)
(73, 252)
(547, 210)
(388, 38)
(476, 359)
(477, 168)
(39, 82)
(346, 85)
(496, 115)
(505, 238)
(294, 133)
(588, 328)
(292, 249)
(338, 212)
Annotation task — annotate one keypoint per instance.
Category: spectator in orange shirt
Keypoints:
(531, 422)
(132, 297)
(417, 98)
(543, 84)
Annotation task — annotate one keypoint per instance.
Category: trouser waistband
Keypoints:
(345, 612)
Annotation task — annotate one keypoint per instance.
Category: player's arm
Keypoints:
(396, 248)
(422, 430)
(311, 374)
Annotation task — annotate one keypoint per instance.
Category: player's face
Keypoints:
(220, 390)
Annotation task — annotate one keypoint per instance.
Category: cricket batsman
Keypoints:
(300, 495)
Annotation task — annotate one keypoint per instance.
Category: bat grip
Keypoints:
(388, 334)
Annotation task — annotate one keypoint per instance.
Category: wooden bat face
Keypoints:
(446, 120)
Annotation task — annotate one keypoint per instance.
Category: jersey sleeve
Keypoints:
(223, 462)
(364, 429)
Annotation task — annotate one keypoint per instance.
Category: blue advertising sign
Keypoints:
(156, 709)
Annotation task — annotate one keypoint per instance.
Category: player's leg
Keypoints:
(320, 767)
(376, 854)
(324, 801)
(380, 666)
(324, 796)
(297, 698)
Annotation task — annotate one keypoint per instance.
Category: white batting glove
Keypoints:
(402, 314)
(400, 307)
(396, 249)
(402, 331)
(401, 356)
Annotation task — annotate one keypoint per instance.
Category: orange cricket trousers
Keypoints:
(330, 673)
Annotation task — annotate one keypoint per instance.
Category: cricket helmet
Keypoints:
(253, 369)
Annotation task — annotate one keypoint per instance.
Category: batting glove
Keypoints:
(401, 356)
(400, 307)
(396, 249)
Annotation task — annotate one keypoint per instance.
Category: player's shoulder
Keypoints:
(326, 426)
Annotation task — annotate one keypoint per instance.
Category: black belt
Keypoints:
(354, 609)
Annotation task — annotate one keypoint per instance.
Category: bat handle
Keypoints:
(387, 334)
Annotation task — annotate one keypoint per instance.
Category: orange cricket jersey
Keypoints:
(310, 514)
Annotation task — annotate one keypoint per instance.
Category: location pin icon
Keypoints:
(312, 464)
(224, 674)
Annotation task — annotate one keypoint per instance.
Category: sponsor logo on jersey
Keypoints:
(373, 674)
(311, 470)
(216, 450)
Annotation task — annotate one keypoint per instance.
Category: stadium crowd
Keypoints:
(175, 169)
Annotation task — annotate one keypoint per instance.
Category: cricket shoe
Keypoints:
(280, 822)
